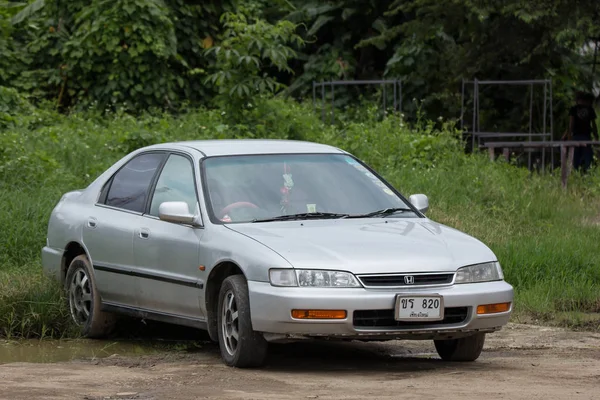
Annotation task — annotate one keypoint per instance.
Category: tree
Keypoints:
(135, 53)
(166, 53)
(11, 60)
(249, 49)
(332, 31)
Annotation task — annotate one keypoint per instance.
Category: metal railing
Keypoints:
(397, 89)
(567, 150)
(545, 135)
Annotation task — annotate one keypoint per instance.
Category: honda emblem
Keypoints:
(409, 280)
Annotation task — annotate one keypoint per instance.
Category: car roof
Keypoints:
(229, 147)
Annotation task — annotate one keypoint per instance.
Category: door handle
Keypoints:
(144, 233)
(92, 222)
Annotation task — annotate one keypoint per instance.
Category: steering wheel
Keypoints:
(239, 204)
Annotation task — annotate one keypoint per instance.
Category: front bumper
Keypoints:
(271, 310)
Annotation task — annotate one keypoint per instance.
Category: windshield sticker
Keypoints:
(311, 208)
(356, 164)
(369, 175)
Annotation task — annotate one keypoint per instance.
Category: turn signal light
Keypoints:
(493, 308)
(319, 314)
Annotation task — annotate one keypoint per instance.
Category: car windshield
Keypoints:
(261, 188)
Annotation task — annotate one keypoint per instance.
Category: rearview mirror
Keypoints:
(420, 201)
(176, 211)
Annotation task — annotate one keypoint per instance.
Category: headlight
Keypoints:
(485, 272)
(317, 278)
(312, 278)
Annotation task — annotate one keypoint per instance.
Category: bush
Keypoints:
(12, 103)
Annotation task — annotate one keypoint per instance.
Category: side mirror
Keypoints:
(176, 211)
(420, 201)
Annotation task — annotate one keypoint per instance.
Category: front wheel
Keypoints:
(240, 346)
(464, 349)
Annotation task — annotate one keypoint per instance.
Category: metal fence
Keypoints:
(478, 135)
(546, 132)
(397, 89)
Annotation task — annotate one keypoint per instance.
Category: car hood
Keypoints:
(382, 245)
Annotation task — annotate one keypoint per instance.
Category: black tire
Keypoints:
(233, 317)
(464, 349)
(84, 300)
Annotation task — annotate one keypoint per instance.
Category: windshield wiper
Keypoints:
(315, 215)
(381, 213)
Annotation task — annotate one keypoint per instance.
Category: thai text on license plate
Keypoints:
(419, 308)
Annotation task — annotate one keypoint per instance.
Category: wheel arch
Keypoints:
(218, 274)
(72, 250)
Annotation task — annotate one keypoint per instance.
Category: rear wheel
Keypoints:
(240, 346)
(464, 349)
(84, 300)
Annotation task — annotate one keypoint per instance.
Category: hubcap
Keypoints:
(229, 323)
(80, 296)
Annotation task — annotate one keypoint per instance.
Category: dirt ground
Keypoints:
(520, 362)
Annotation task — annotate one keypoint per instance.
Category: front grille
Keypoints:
(385, 318)
(398, 280)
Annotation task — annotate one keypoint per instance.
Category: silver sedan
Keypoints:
(259, 241)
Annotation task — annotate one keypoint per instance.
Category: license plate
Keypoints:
(419, 308)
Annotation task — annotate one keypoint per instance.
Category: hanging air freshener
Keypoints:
(288, 184)
(287, 181)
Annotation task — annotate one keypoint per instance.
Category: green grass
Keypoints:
(547, 239)
(32, 306)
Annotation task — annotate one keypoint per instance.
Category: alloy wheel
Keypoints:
(80, 296)
(229, 323)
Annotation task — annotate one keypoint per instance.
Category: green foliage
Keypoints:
(247, 49)
(166, 54)
(12, 103)
(332, 31)
(137, 39)
(11, 61)
(27, 11)
(196, 27)
(31, 305)
(131, 54)
(432, 45)
(441, 42)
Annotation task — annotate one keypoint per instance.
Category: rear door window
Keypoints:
(130, 185)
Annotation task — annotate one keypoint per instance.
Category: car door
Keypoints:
(168, 253)
(109, 230)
